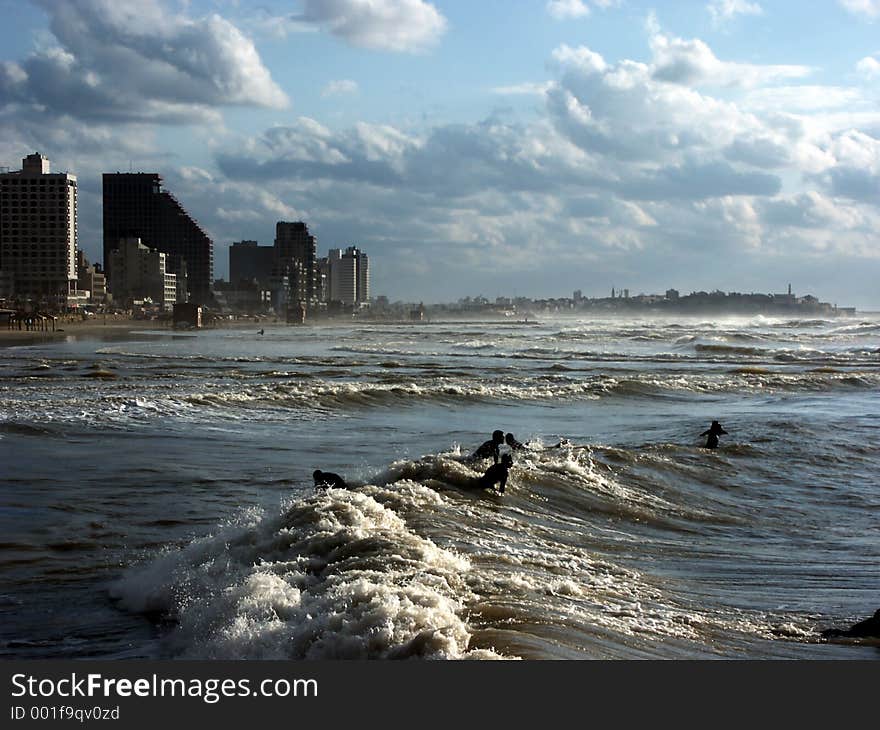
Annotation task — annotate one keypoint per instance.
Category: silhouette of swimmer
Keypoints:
(866, 628)
(713, 432)
(515, 445)
(490, 448)
(496, 474)
(511, 441)
(328, 480)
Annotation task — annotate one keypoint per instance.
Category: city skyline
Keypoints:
(529, 149)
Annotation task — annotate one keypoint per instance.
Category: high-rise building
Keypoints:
(332, 274)
(38, 232)
(363, 275)
(248, 260)
(140, 272)
(349, 276)
(295, 257)
(136, 206)
(359, 269)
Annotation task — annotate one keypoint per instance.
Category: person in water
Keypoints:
(511, 441)
(713, 432)
(328, 480)
(497, 474)
(863, 629)
(515, 445)
(490, 448)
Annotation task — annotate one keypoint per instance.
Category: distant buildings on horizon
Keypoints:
(336, 283)
(155, 253)
(671, 302)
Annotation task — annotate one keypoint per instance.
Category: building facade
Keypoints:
(248, 261)
(136, 206)
(295, 257)
(91, 279)
(139, 272)
(348, 275)
(38, 232)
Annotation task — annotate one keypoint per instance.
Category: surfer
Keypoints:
(328, 480)
(261, 331)
(713, 432)
(489, 448)
(868, 627)
(496, 474)
(564, 443)
(515, 445)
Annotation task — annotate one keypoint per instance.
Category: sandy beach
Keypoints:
(96, 327)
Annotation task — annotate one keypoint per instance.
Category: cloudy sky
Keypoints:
(480, 146)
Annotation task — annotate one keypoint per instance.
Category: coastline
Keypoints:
(113, 326)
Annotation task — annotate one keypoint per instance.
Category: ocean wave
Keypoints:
(729, 349)
(414, 564)
(119, 401)
(335, 576)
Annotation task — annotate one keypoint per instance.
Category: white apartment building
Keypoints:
(138, 272)
(38, 232)
(349, 276)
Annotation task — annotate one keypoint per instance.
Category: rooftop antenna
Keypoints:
(129, 166)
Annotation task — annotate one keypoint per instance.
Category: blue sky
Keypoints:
(486, 147)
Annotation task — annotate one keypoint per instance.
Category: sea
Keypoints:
(156, 493)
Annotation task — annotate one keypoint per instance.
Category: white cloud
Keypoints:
(565, 9)
(582, 57)
(140, 62)
(868, 8)
(869, 67)
(724, 11)
(388, 25)
(11, 74)
(802, 98)
(340, 88)
(692, 62)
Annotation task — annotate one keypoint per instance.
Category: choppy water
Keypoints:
(156, 499)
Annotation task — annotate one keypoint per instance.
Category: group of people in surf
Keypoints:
(498, 473)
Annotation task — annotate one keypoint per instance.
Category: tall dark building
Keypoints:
(248, 260)
(136, 206)
(296, 256)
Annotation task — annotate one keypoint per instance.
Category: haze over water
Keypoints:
(156, 497)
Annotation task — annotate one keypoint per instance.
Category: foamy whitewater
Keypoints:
(156, 497)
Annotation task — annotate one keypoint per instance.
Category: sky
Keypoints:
(479, 147)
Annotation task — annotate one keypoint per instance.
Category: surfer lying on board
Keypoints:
(515, 445)
(328, 480)
(496, 474)
(489, 448)
(868, 627)
(713, 432)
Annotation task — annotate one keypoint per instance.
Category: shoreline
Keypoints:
(78, 329)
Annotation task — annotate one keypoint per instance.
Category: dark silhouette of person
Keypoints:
(515, 445)
(328, 480)
(868, 627)
(490, 448)
(511, 441)
(261, 331)
(497, 474)
(713, 432)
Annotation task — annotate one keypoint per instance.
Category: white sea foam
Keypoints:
(338, 575)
